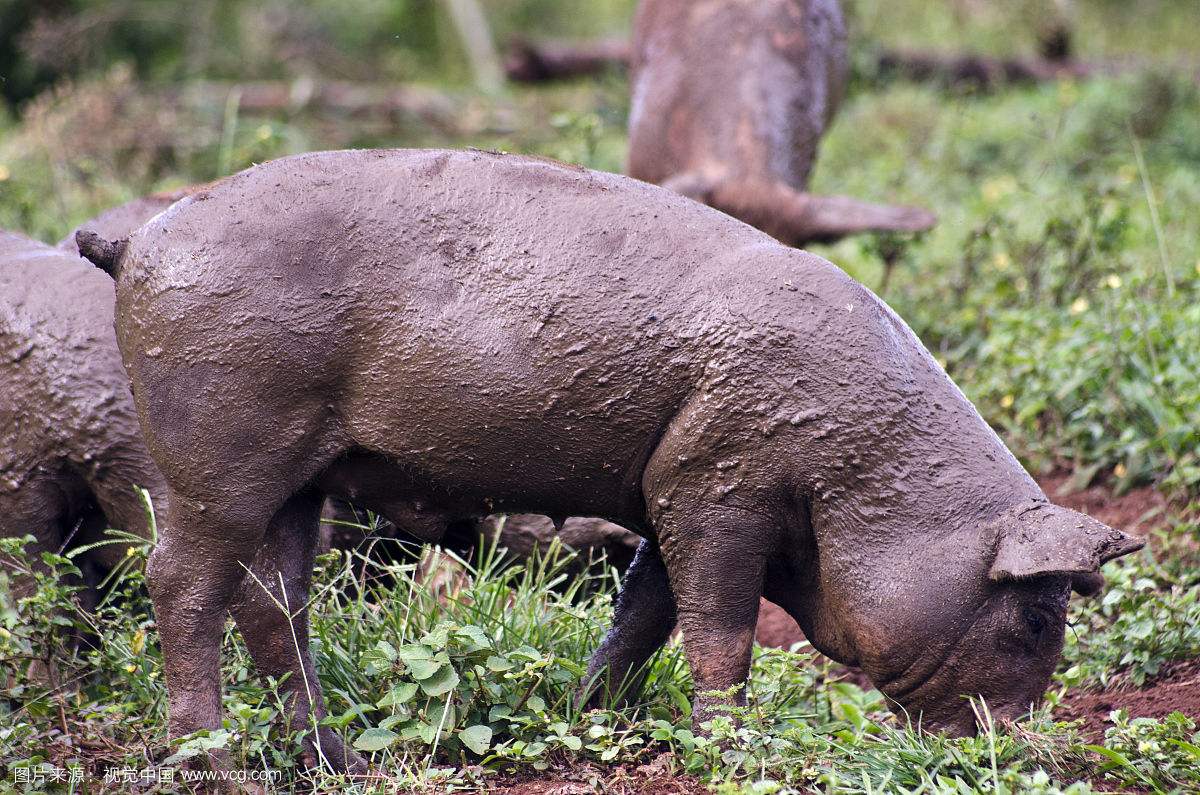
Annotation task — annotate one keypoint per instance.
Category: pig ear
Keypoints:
(1039, 538)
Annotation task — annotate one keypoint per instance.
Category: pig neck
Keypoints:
(898, 477)
(904, 481)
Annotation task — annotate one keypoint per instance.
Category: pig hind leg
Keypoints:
(193, 574)
(271, 610)
(642, 622)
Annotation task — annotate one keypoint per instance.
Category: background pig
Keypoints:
(442, 335)
(71, 452)
(520, 535)
(730, 99)
(120, 221)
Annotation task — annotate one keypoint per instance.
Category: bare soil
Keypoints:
(1176, 689)
(654, 778)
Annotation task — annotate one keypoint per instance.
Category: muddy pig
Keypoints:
(71, 452)
(500, 333)
(520, 535)
(730, 99)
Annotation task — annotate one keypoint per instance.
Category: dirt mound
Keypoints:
(1176, 690)
(776, 629)
(654, 778)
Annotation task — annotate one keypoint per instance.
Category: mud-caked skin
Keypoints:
(730, 99)
(71, 452)
(521, 534)
(442, 335)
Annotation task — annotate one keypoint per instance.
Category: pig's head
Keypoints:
(979, 613)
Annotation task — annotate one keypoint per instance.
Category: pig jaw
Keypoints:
(1000, 663)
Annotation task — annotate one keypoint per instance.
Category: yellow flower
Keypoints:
(1001, 260)
(997, 188)
(130, 668)
(4, 172)
(1007, 401)
(139, 641)
(1119, 470)
(1079, 306)
(1068, 92)
(264, 132)
(130, 552)
(1113, 281)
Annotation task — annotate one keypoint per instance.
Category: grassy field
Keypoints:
(1060, 290)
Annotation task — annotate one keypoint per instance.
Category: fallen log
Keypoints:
(426, 105)
(536, 62)
(533, 62)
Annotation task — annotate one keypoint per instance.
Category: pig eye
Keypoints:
(1034, 620)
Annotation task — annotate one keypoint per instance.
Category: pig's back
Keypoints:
(438, 240)
(561, 316)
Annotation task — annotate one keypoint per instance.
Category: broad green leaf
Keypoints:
(423, 669)
(414, 651)
(497, 663)
(375, 739)
(398, 695)
(478, 738)
(442, 681)
(478, 638)
(379, 659)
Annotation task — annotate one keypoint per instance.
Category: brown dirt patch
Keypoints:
(1138, 511)
(654, 778)
(1177, 689)
(776, 629)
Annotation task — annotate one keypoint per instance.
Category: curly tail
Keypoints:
(104, 254)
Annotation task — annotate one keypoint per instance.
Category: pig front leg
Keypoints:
(716, 558)
(642, 622)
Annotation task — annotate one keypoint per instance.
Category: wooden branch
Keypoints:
(533, 62)
(536, 62)
(350, 99)
(476, 36)
(982, 71)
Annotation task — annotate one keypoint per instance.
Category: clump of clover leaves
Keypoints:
(454, 690)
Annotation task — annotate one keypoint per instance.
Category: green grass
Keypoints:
(448, 673)
(1060, 290)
